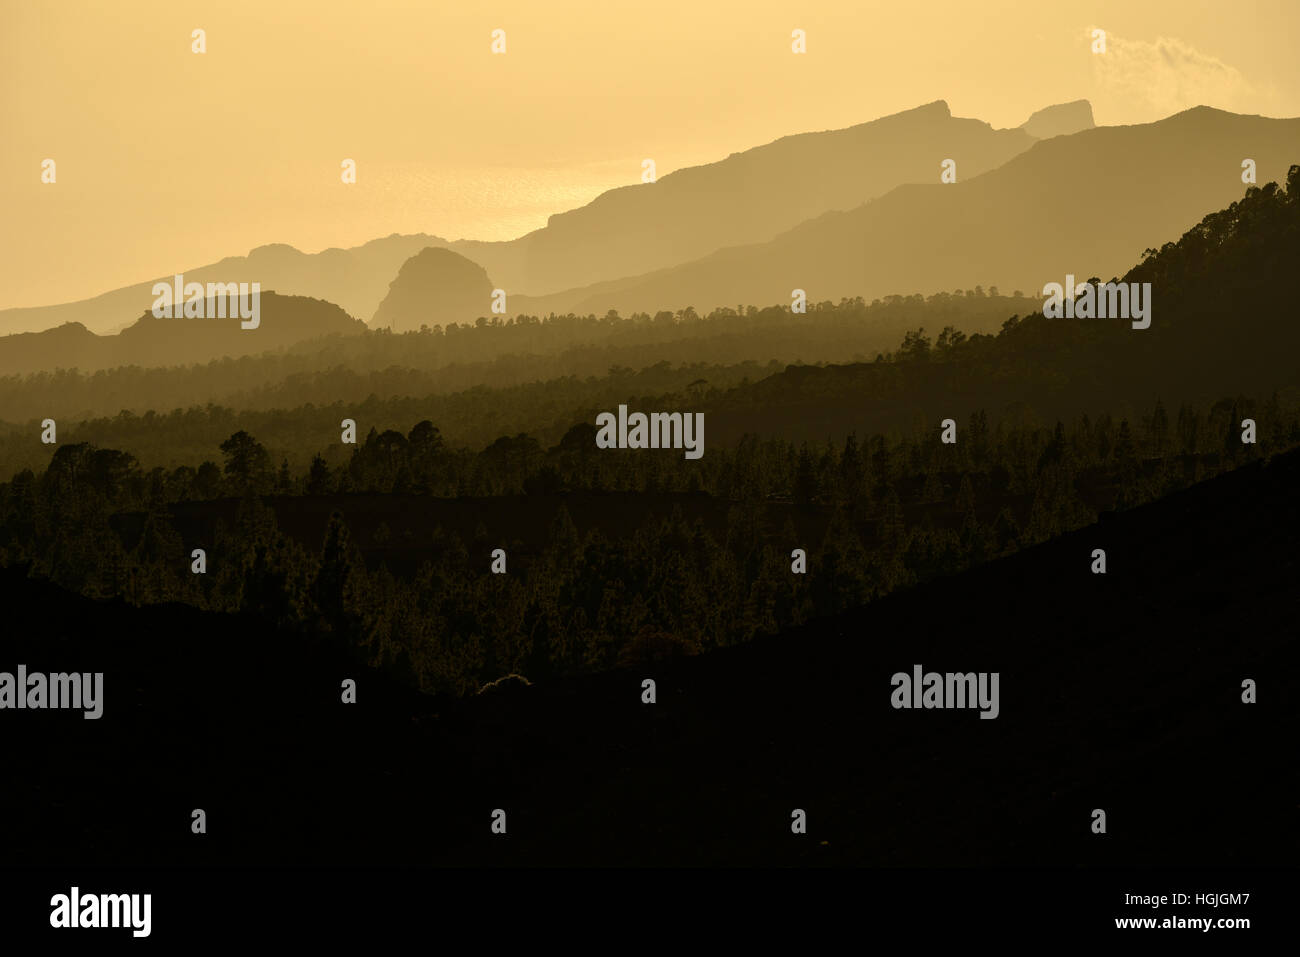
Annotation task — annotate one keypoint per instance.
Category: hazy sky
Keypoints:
(167, 159)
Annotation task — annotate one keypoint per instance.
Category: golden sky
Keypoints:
(167, 159)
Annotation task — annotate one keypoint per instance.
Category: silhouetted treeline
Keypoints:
(496, 353)
(872, 516)
(471, 418)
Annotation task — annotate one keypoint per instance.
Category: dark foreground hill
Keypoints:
(1120, 692)
(1223, 324)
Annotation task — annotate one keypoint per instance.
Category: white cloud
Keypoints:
(1152, 79)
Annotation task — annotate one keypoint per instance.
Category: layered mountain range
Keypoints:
(860, 211)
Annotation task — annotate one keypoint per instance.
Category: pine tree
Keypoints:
(337, 583)
(318, 478)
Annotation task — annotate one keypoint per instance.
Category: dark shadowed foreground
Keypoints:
(1120, 692)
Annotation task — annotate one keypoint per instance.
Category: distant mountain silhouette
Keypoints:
(798, 205)
(751, 196)
(1087, 204)
(150, 341)
(747, 197)
(435, 287)
(356, 279)
(1060, 120)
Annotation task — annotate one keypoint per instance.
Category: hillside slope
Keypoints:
(154, 342)
(1120, 692)
(1222, 324)
(1087, 204)
(746, 198)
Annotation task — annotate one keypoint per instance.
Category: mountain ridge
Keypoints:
(150, 341)
(357, 278)
(1155, 180)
